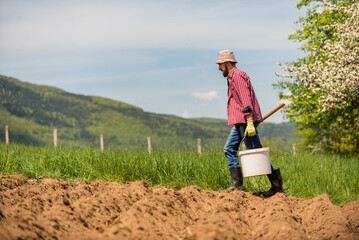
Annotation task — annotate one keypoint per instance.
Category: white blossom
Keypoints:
(334, 71)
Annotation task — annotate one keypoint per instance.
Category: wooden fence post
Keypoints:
(101, 142)
(149, 144)
(7, 134)
(199, 147)
(294, 150)
(55, 137)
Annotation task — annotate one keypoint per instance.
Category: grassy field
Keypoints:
(304, 175)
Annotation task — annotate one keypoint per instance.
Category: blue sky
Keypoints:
(157, 55)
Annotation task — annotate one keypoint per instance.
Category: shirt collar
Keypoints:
(230, 74)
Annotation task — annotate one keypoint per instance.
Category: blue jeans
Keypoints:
(234, 139)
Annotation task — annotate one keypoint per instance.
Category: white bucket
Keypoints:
(255, 162)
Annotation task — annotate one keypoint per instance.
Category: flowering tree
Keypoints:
(325, 89)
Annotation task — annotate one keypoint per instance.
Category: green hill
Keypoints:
(32, 112)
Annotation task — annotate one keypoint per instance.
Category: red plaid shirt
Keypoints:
(240, 95)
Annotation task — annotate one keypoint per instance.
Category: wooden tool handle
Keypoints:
(273, 111)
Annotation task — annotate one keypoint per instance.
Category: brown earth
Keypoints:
(56, 209)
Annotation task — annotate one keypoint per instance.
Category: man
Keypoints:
(244, 114)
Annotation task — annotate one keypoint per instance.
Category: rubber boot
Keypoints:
(236, 180)
(275, 179)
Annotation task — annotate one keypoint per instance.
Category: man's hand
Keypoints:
(250, 130)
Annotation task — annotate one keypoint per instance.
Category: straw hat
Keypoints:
(226, 56)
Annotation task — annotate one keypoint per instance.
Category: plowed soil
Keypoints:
(56, 209)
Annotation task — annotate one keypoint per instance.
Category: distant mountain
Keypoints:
(32, 112)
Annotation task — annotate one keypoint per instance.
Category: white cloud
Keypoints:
(206, 95)
(185, 114)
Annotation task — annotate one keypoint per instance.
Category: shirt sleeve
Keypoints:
(242, 87)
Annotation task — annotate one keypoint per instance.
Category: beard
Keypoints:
(225, 72)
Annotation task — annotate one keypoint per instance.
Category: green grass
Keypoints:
(304, 175)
